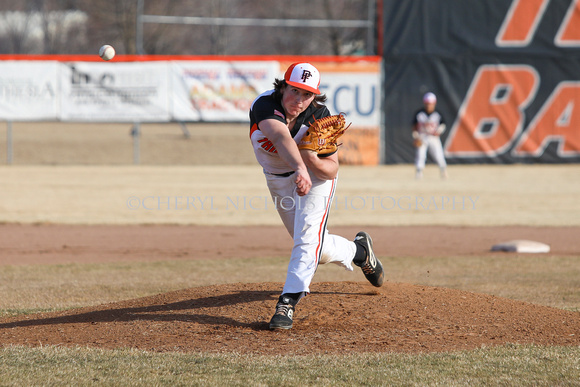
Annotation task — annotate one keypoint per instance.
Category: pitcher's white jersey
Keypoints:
(266, 107)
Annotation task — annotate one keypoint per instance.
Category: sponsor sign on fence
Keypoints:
(29, 91)
(123, 92)
(184, 91)
(218, 90)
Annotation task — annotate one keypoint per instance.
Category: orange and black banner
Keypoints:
(506, 75)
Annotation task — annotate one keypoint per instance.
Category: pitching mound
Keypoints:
(337, 318)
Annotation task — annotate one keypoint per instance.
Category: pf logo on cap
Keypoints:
(304, 76)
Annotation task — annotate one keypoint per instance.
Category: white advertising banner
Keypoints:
(163, 91)
(219, 90)
(115, 92)
(28, 91)
(355, 94)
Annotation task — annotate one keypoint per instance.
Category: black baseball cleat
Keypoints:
(371, 267)
(282, 318)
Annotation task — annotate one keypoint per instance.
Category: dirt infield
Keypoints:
(69, 213)
(60, 244)
(336, 317)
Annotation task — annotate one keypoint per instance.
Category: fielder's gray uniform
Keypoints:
(428, 127)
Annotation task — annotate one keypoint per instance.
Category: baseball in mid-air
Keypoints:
(107, 52)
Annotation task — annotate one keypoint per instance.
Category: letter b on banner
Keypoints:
(491, 115)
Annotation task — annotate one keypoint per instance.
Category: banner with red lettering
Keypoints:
(506, 75)
(218, 90)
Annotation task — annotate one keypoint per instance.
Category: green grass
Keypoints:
(536, 278)
(540, 279)
(506, 366)
(29, 288)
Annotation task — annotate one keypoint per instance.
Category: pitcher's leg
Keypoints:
(311, 216)
(338, 250)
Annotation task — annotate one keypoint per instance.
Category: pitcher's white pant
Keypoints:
(433, 143)
(305, 218)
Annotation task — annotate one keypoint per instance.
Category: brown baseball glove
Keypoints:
(323, 134)
(417, 142)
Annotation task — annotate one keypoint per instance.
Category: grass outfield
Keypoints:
(512, 365)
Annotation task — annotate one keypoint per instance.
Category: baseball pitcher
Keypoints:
(295, 140)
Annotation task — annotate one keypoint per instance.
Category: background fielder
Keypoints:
(428, 125)
(302, 185)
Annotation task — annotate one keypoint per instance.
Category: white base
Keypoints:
(522, 246)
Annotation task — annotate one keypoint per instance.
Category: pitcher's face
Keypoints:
(295, 100)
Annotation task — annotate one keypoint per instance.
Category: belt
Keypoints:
(283, 174)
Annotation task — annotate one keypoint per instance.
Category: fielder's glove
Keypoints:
(323, 134)
(417, 142)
